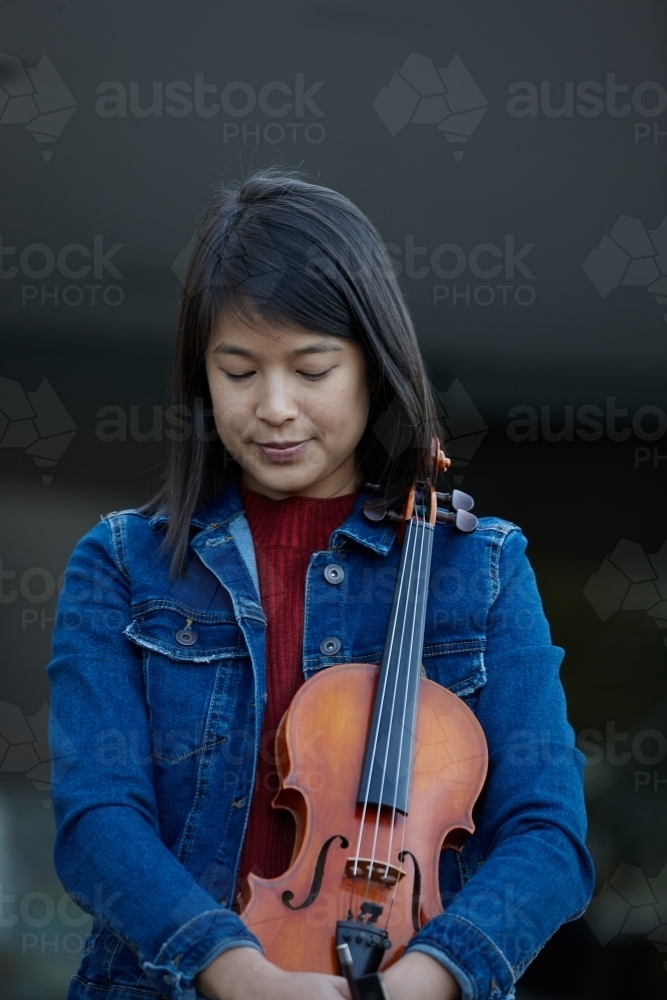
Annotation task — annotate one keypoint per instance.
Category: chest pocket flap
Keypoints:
(458, 666)
(186, 636)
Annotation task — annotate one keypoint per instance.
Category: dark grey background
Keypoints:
(559, 183)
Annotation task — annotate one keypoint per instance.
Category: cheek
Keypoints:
(239, 422)
(344, 410)
(231, 412)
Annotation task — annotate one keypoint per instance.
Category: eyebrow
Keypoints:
(309, 349)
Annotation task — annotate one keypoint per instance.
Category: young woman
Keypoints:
(184, 630)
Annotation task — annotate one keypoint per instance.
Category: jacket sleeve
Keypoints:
(108, 851)
(534, 872)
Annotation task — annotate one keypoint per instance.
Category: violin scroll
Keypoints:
(439, 461)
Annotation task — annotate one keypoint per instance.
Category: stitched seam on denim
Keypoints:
(220, 947)
(495, 551)
(494, 947)
(492, 944)
(460, 692)
(473, 681)
(205, 617)
(230, 518)
(213, 714)
(382, 547)
(116, 529)
(162, 953)
(178, 655)
(340, 605)
(223, 839)
(307, 616)
(321, 662)
(246, 609)
(466, 645)
(253, 578)
(458, 646)
(463, 680)
(109, 961)
(190, 753)
(202, 779)
(146, 661)
(462, 866)
(498, 526)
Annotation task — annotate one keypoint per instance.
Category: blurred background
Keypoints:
(512, 158)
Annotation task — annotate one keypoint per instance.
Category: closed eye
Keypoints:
(239, 378)
(316, 376)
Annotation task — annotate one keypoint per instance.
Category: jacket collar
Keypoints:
(226, 506)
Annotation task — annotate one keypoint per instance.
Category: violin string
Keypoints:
(405, 702)
(404, 824)
(411, 554)
(418, 533)
(377, 733)
(412, 534)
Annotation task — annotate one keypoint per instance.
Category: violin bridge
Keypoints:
(375, 871)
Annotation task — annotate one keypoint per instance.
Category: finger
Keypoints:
(341, 985)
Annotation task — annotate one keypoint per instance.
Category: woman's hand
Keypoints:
(417, 976)
(244, 974)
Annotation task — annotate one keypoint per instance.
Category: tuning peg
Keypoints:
(462, 501)
(465, 521)
(462, 519)
(457, 499)
(374, 511)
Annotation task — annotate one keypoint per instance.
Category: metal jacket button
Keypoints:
(330, 645)
(334, 573)
(186, 637)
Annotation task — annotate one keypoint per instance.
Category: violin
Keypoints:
(380, 769)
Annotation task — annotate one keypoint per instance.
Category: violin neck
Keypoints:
(387, 769)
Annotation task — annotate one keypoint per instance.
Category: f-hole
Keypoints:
(416, 888)
(318, 875)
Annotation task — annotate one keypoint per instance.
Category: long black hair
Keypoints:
(278, 248)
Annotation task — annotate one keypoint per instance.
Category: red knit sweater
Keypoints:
(285, 534)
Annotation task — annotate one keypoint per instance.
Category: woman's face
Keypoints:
(290, 406)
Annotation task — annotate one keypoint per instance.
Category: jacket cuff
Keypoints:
(192, 948)
(477, 964)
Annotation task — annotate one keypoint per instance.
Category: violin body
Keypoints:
(392, 860)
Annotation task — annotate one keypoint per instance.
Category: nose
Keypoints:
(277, 403)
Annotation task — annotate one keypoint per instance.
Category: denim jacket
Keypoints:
(158, 689)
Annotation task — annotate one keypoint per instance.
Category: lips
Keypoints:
(282, 451)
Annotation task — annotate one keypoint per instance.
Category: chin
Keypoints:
(284, 480)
